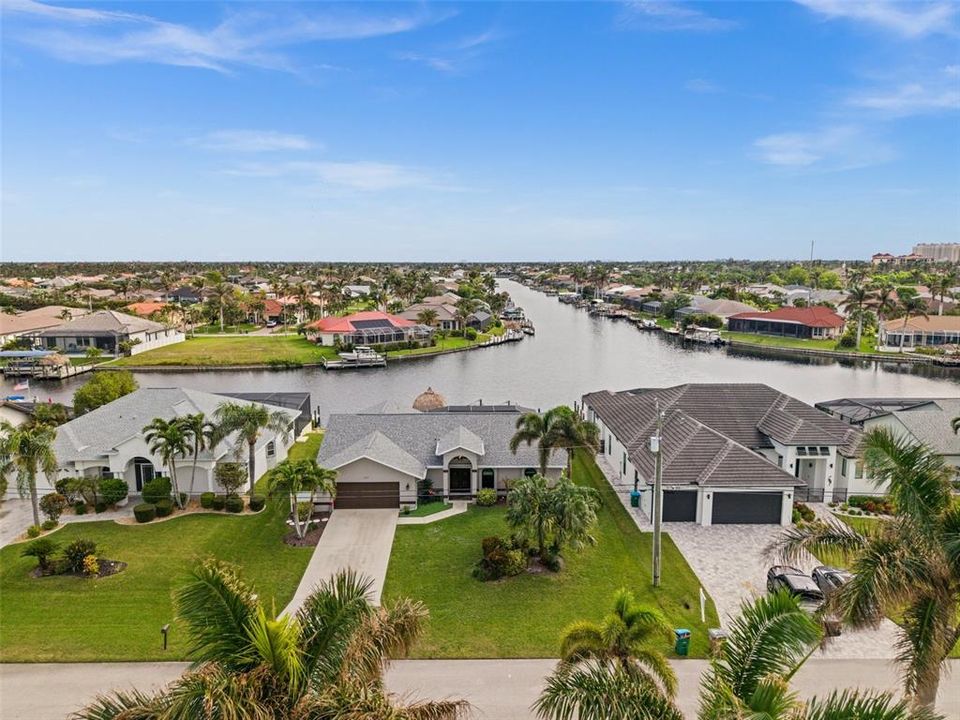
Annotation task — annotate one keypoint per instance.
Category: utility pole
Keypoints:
(657, 495)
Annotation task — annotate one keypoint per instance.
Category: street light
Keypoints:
(657, 495)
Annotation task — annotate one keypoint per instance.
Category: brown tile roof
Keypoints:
(932, 323)
(816, 316)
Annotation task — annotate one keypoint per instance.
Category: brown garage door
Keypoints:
(367, 495)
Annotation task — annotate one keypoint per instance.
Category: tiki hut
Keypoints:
(429, 400)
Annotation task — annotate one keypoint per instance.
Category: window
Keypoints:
(623, 463)
(529, 472)
(609, 444)
(857, 469)
(271, 449)
(779, 460)
(801, 451)
(487, 479)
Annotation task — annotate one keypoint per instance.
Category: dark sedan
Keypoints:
(830, 579)
(798, 583)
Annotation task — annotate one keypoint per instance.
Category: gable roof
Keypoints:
(378, 447)
(37, 319)
(931, 323)
(422, 435)
(816, 316)
(97, 434)
(346, 324)
(104, 322)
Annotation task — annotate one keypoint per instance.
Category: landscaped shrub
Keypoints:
(470, 334)
(304, 510)
(49, 524)
(873, 504)
(113, 490)
(206, 499)
(847, 341)
(219, 501)
(43, 550)
(145, 512)
(53, 505)
(76, 551)
(257, 502)
(91, 566)
(64, 487)
(156, 489)
(486, 497)
(164, 507)
(80, 507)
(795, 517)
(230, 476)
(805, 512)
(34, 531)
(100, 507)
(234, 504)
(501, 558)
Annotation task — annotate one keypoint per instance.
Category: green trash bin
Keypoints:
(682, 644)
(635, 498)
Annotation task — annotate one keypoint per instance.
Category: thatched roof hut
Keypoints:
(428, 400)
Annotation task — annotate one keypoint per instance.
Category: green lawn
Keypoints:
(118, 618)
(424, 509)
(448, 343)
(867, 344)
(215, 329)
(523, 616)
(213, 351)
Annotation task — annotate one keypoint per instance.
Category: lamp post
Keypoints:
(657, 496)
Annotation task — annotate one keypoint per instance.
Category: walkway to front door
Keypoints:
(356, 539)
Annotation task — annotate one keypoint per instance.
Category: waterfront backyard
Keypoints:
(523, 616)
(213, 351)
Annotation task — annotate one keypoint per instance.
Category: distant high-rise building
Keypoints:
(939, 252)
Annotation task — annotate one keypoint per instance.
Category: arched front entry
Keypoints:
(143, 472)
(460, 471)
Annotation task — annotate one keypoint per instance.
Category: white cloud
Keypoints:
(365, 176)
(666, 16)
(454, 57)
(909, 19)
(831, 148)
(250, 141)
(246, 37)
(705, 87)
(912, 99)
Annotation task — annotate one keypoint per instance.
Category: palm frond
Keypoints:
(387, 632)
(275, 643)
(122, 705)
(656, 664)
(581, 639)
(217, 608)
(213, 693)
(858, 705)
(925, 638)
(795, 543)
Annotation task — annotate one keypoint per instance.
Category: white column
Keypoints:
(786, 508)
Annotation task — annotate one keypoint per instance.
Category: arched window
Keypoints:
(271, 449)
(529, 472)
(487, 479)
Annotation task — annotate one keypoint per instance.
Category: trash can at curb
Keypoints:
(717, 637)
(682, 645)
(635, 498)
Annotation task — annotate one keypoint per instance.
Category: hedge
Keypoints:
(219, 501)
(234, 504)
(257, 502)
(145, 512)
(206, 500)
(164, 507)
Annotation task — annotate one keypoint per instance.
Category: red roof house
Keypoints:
(816, 322)
(370, 327)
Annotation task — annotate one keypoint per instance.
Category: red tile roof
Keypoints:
(817, 316)
(345, 324)
(143, 309)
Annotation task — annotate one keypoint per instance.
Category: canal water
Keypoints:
(572, 353)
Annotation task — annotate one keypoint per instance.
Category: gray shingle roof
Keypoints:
(106, 322)
(419, 434)
(378, 447)
(930, 425)
(460, 438)
(98, 433)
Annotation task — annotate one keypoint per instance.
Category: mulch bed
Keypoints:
(107, 568)
(312, 537)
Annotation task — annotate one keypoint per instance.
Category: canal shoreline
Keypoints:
(839, 354)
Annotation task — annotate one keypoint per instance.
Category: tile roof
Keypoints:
(422, 435)
(345, 324)
(931, 323)
(378, 447)
(816, 316)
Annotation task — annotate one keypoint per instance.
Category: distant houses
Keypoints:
(934, 331)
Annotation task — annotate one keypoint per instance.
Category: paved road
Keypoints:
(358, 539)
(496, 689)
(16, 516)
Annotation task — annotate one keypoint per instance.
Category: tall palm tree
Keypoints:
(221, 295)
(910, 306)
(557, 428)
(940, 286)
(906, 565)
(325, 662)
(169, 440)
(532, 428)
(301, 476)
(463, 308)
(28, 450)
(884, 301)
(200, 434)
(859, 296)
(623, 637)
(249, 420)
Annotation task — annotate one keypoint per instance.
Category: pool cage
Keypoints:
(387, 334)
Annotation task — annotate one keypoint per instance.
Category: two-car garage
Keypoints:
(725, 508)
(366, 495)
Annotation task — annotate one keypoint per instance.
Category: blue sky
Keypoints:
(475, 131)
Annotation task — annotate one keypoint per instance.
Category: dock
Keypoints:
(40, 365)
(355, 364)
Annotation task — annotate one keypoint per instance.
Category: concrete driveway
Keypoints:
(496, 689)
(16, 516)
(357, 539)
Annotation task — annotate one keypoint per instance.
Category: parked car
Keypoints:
(798, 583)
(271, 323)
(830, 579)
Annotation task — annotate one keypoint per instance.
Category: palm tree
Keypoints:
(200, 434)
(599, 277)
(859, 296)
(327, 661)
(905, 566)
(910, 306)
(532, 428)
(249, 420)
(294, 478)
(559, 427)
(940, 286)
(561, 514)
(169, 440)
(464, 307)
(622, 637)
(28, 449)
(427, 316)
(221, 294)
(884, 301)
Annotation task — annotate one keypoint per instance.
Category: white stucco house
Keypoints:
(109, 441)
(383, 459)
(732, 453)
(106, 330)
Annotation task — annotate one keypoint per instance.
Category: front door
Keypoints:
(460, 480)
(143, 471)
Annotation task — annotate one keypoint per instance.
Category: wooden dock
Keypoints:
(372, 362)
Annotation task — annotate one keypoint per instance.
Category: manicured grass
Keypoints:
(213, 351)
(215, 329)
(306, 450)
(523, 616)
(118, 618)
(867, 344)
(82, 361)
(424, 509)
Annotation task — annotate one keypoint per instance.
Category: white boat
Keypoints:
(648, 324)
(360, 352)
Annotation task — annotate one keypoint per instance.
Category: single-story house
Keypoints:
(920, 420)
(106, 330)
(356, 291)
(109, 441)
(446, 314)
(732, 453)
(815, 322)
(184, 295)
(479, 320)
(147, 308)
(385, 459)
(370, 327)
(652, 306)
(931, 331)
(31, 321)
(720, 307)
(16, 412)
